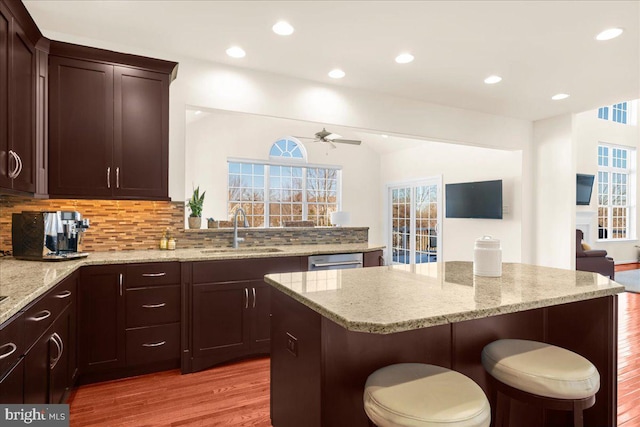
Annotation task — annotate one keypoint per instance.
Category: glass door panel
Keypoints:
(401, 225)
(415, 222)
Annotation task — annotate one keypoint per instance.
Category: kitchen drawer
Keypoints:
(12, 344)
(153, 344)
(39, 316)
(151, 274)
(153, 306)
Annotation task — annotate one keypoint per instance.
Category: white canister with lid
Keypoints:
(487, 257)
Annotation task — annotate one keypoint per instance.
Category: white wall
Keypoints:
(216, 136)
(217, 86)
(589, 132)
(456, 163)
(554, 168)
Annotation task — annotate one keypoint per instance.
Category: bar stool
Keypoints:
(419, 395)
(540, 374)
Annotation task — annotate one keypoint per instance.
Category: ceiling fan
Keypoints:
(330, 138)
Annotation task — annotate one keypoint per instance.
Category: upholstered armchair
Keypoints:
(595, 260)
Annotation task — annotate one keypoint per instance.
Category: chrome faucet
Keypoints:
(236, 239)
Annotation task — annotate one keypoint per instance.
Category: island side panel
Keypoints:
(348, 358)
(296, 372)
(470, 337)
(590, 328)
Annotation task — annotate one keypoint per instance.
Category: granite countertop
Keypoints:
(24, 281)
(400, 298)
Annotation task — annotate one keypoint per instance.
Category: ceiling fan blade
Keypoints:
(304, 137)
(347, 141)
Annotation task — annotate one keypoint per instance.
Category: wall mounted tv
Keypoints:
(474, 200)
(584, 186)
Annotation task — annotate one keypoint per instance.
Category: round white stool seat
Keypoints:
(419, 395)
(541, 369)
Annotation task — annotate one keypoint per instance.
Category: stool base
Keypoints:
(504, 393)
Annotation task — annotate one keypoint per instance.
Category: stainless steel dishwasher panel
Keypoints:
(335, 261)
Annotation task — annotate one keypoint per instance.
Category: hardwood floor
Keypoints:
(230, 395)
(628, 360)
(238, 394)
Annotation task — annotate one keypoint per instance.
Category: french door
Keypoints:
(415, 212)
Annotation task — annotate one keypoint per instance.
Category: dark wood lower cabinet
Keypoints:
(12, 384)
(129, 320)
(49, 362)
(230, 309)
(101, 319)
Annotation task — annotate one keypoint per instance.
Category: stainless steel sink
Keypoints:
(240, 250)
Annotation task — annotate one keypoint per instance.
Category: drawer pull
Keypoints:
(154, 344)
(154, 274)
(64, 294)
(13, 348)
(162, 304)
(41, 316)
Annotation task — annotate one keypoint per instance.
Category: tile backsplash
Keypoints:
(128, 225)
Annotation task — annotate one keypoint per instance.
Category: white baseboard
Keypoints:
(616, 262)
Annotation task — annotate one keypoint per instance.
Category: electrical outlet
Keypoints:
(505, 209)
(292, 344)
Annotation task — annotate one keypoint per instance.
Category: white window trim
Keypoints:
(631, 195)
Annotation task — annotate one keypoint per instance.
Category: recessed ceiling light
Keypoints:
(385, 136)
(404, 58)
(283, 28)
(559, 96)
(337, 74)
(236, 52)
(198, 112)
(609, 34)
(491, 80)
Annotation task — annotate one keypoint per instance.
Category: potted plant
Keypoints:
(195, 206)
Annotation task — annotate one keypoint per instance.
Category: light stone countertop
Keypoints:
(24, 281)
(398, 298)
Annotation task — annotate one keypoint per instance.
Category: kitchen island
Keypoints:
(331, 329)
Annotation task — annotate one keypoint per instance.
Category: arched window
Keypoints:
(285, 188)
(288, 148)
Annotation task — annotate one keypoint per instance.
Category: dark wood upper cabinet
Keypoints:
(113, 110)
(80, 126)
(141, 155)
(18, 78)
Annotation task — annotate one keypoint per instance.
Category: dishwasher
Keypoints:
(335, 261)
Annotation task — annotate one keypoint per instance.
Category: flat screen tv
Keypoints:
(584, 187)
(474, 200)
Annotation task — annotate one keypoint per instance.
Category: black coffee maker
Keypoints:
(52, 236)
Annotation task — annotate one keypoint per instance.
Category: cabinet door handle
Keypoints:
(108, 176)
(162, 304)
(120, 280)
(41, 316)
(12, 350)
(253, 291)
(14, 172)
(60, 345)
(118, 177)
(246, 298)
(19, 164)
(154, 344)
(65, 294)
(154, 274)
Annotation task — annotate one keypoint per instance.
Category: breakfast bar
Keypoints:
(331, 329)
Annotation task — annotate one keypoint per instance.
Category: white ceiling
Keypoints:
(540, 48)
